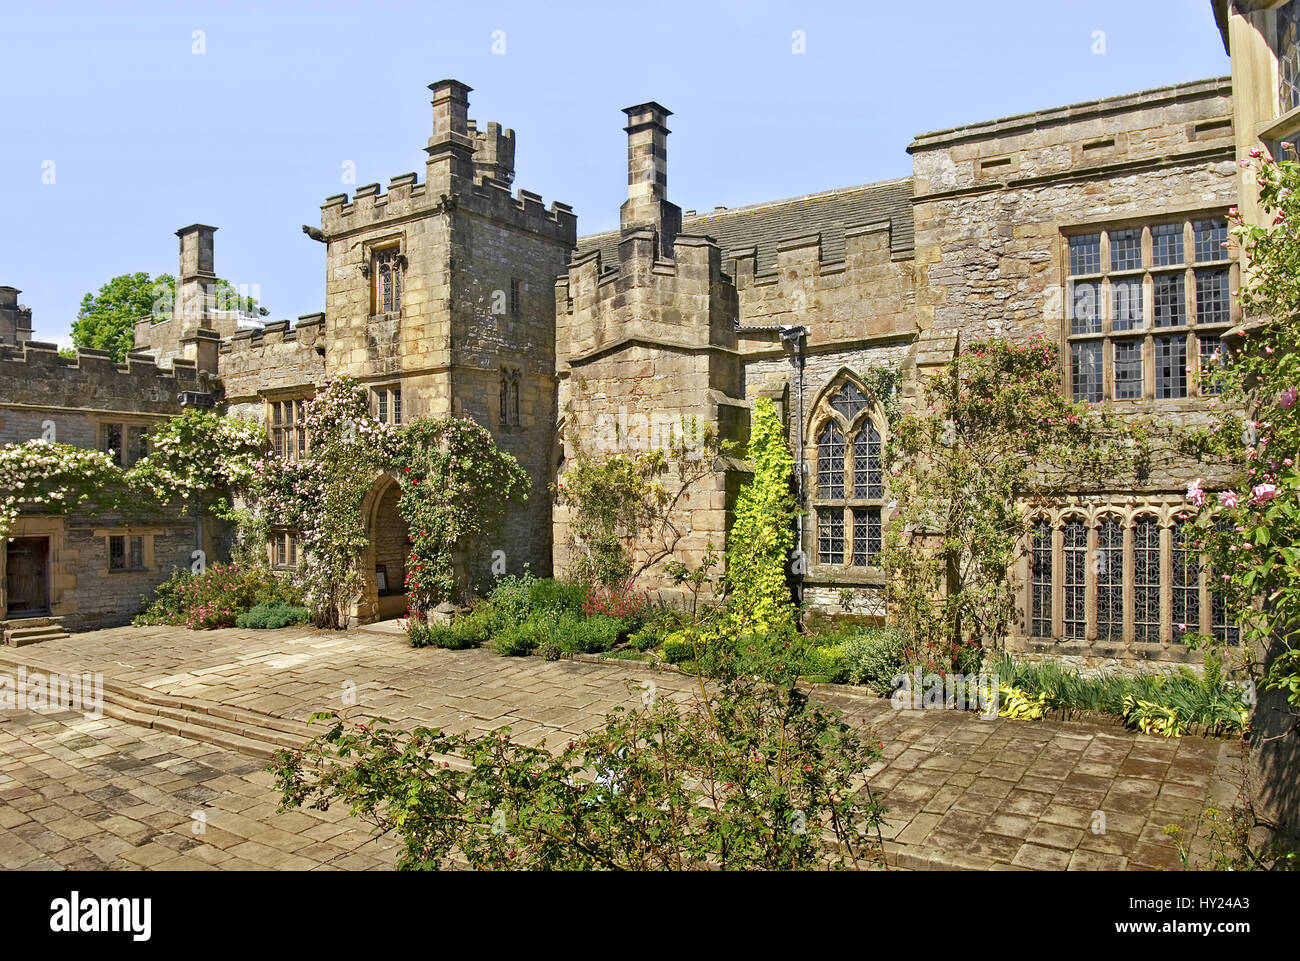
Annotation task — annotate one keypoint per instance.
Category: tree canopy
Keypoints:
(106, 320)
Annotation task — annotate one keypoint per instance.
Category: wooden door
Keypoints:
(27, 576)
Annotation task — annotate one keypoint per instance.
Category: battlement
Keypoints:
(687, 302)
(37, 376)
(468, 168)
(278, 356)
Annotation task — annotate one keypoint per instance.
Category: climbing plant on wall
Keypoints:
(994, 438)
(456, 486)
(761, 539)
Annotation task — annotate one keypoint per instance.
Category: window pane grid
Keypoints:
(1128, 369)
(867, 537)
(1171, 367)
(1212, 306)
(868, 480)
(1086, 315)
(1075, 618)
(1186, 570)
(1126, 304)
(1041, 588)
(830, 536)
(1146, 580)
(1210, 238)
(1169, 300)
(1085, 254)
(1085, 367)
(1110, 581)
(830, 463)
(1125, 249)
(1167, 245)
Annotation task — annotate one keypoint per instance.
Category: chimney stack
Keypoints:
(196, 284)
(647, 176)
(15, 319)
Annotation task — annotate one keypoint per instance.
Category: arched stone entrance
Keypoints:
(383, 561)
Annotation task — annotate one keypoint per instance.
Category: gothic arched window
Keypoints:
(388, 271)
(849, 497)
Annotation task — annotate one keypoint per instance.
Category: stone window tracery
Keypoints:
(849, 494)
(387, 276)
(1114, 575)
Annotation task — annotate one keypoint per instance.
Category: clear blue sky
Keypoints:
(147, 136)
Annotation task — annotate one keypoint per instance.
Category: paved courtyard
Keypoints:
(961, 791)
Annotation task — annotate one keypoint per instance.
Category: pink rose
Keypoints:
(1195, 493)
(1262, 493)
(1286, 400)
(1228, 499)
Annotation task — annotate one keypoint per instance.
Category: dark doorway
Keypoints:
(27, 581)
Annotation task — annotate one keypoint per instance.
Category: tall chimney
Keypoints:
(196, 284)
(647, 176)
(451, 140)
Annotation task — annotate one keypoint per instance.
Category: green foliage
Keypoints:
(216, 596)
(520, 639)
(106, 320)
(623, 509)
(273, 614)
(756, 778)
(456, 487)
(199, 457)
(1171, 704)
(761, 539)
(1250, 533)
(994, 439)
(874, 656)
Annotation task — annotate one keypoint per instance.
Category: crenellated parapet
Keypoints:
(280, 356)
(38, 376)
(684, 303)
(866, 294)
(406, 197)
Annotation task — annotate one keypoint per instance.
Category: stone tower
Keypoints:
(439, 299)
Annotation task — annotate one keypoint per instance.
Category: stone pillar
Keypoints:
(647, 176)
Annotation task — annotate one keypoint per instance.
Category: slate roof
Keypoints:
(764, 225)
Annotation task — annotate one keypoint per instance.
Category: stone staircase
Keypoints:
(20, 632)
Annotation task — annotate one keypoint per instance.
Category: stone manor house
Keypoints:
(1099, 225)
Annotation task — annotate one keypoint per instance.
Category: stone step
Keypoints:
(22, 636)
(196, 732)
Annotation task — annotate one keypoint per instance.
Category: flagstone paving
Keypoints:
(962, 791)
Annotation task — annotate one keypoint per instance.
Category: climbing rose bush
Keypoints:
(51, 478)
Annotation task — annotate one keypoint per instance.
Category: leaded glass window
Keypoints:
(867, 535)
(1125, 249)
(868, 481)
(1212, 305)
(1288, 56)
(830, 536)
(849, 401)
(1169, 300)
(1085, 368)
(1075, 618)
(1221, 626)
(1128, 369)
(1040, 561)
(389, 271)
(1186, 569)
(1110, 580)
(1085, 254)
(1210, 238)
(1126, 304)
(1213, 360)
(1171, 367)
(1146, 580)
(1166, 245)
(830, 462)
(1087, 308)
